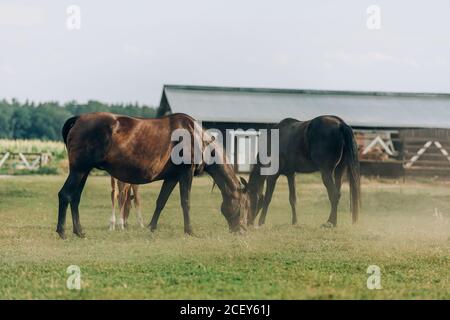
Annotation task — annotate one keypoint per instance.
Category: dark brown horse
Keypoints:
(139, 151)
(324, 144)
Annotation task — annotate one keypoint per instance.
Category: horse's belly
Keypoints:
(307, 169)
(136, 172)
(128, 174)
(305, 166)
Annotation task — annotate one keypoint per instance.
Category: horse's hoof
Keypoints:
(328, 225)
(62, 234)
(81, 235)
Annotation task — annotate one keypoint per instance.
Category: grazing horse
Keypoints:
(138, 151)
(324, 144)
(123, 193)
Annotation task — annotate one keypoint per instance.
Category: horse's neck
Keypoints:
(223, 175)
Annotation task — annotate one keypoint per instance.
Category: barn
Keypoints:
(397, 133)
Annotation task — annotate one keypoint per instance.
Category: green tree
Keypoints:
(45, 120)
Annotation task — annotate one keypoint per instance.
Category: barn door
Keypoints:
(246, 151)
(243, 156)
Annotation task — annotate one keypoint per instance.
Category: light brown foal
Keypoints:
(121, 193)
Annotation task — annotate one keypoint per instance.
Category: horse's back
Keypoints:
(287, 122)
(106, 128)
(304, 144)
(135, 150)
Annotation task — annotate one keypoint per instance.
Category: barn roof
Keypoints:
(361, 109)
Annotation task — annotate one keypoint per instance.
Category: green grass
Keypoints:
(397, 232)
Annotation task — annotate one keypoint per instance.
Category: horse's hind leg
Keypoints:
(164, 194)
(333, 195)
(126, 213)
(74, 203)
(292, 197)
(338, 173)
(123, 198)
(185, 194)
(114, 197)
(137, 204)
(271, 181)
(65, 196)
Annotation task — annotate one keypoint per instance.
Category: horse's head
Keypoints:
(236, 208)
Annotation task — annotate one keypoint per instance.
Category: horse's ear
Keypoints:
(244, 184)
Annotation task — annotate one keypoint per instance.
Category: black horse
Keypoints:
(324, 144)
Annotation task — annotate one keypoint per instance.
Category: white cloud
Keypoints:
(7, 70)
(21, 15)
(131, 49)
(366, 58)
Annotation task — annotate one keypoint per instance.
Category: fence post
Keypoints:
(3, 160)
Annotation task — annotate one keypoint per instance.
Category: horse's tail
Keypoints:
(214, 184)
(351, 158)
(67, 126)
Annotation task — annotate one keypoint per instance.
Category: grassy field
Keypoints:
(398, 231)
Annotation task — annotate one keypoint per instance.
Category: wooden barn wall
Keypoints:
(443, 134)
(426, 151)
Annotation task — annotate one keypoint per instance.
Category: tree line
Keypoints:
(44, 120)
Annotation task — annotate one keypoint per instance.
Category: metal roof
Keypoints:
(361, 109)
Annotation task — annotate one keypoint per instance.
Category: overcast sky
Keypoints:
(126, 50)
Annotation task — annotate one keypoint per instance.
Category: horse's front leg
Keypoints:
(271, 181)
(166, 190)
(185, 195)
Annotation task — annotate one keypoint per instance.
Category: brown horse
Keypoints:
(123, 193)
(324, 144)
(138, 151)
